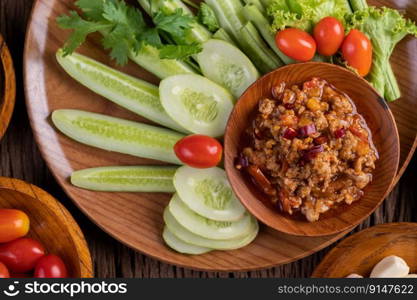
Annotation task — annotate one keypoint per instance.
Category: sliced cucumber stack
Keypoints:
(210, 229)
(190, 238)
(126, 179)
(118, 135)
(180, 246)
(208, 193)
(131, 93)
(196, 103)
(227, 65)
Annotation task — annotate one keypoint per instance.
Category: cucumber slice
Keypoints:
(196, 103)
(208, 193)
(190, 238)
(172, 241)
(118, 135)
(131, 93)
(227, 65)
(126, 179)
(148, 58)
(215, 230)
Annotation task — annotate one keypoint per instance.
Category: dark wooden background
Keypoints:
(20, 158)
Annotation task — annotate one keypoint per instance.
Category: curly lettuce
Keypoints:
(386, 28)
(304, 14)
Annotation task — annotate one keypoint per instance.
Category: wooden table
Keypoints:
(20, 158)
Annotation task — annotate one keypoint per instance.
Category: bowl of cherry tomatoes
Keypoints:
(38, 236)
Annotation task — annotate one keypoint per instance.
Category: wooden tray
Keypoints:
(135, 219)
(50, 223)
(357, 255)
(7, 87)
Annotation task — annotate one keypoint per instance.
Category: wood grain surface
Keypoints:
(7, 86)
(50, 223)
(20, 158)
(368, 103)
(357, 254)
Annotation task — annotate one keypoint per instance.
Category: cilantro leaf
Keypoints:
(92, 9)
(207, 17)
(81, 27)
(175, 24)
(179, 51)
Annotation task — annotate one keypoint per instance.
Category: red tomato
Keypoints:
(329, 34)
(13, 224)
(21, 255)
(199, 151)
(4, 273)
(357, 51)
(50, 266)
(297, 44)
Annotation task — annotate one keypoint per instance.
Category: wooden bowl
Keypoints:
(357, 254)
(369, 104)
(7, 87)
(50, 223)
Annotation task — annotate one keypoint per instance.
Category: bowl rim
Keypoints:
(229, 166)
(77, 236)
(8, 98)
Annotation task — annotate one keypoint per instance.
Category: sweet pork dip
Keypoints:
(309, 150)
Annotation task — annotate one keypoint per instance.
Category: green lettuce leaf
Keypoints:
(386, 28)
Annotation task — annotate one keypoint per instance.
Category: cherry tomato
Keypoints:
(4, 273)
(329, 34)
(21, 255)
(50, 266)
(13, 224)
(357, 51)
(297, 44)
(199, 151)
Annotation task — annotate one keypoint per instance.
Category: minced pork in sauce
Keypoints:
(309, 149)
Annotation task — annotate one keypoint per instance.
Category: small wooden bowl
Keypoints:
(380, 121)
(360, 252)
(50, 223)
(7, 87)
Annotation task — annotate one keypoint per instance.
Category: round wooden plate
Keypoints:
(7, 87)
(357, 255)
(136, 219)
(50, 223)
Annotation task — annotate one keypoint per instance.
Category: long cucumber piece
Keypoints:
(126, 179)
(129, 92)
(229, 14)
(222, 35)
(257, 3)
(148, 58)
(260, 54)
(114, 134)
(253, 14)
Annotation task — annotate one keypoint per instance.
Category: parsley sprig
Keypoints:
(124, 29)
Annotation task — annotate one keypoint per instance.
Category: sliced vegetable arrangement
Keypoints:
(206, 55)
(23, 256)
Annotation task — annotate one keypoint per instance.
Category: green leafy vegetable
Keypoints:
(124, 29)
(207, 17)
(385, 27)
(304, 14)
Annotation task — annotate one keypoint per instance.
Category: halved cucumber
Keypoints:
(126, 179)
(208, 193)
(131, 93)
(190, 238)
(148, 58)
(118, 135)
(227, 65)
(180, 246)
(210, 229)
(196, 103)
